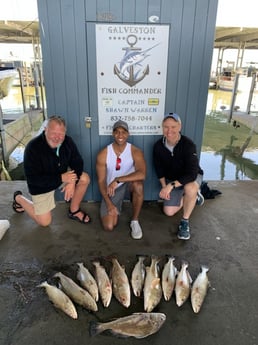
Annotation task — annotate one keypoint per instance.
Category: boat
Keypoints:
(7, 76)
(226, 81)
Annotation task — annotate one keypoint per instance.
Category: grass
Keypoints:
(219, 134)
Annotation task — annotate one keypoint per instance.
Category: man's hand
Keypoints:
(69, 177)
(165, 192)
(68, 190)
(111, 188)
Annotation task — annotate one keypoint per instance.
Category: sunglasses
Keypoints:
(118, 162)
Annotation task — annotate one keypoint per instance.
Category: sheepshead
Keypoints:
(168, 280)
(60, 299)
(138, 276)
(152, 287)
(76, 293)
(137, 325)
(103, 282)
(120, 283)
(199, 289)
(87, 281)
(183, 284)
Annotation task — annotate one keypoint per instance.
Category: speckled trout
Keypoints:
(60, 300)
(76, 293)
(138, 325)
(87, 281)
(199, 289)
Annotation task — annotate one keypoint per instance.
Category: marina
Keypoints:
(221, 156)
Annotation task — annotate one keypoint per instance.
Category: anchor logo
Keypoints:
(130, 69)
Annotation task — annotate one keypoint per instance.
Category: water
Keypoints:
(12, 104)
(227, 153)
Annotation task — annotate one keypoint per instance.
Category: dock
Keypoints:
(223, 236)
(18, 129)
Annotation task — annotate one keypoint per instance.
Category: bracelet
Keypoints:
(117, 181)
(173, 184)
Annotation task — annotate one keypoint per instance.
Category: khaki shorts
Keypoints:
(44, 203)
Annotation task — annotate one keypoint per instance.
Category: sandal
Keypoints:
(16, 205)
(73, 216)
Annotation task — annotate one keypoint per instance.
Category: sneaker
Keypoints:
(183, 230)
(199, 198)
(136, 231)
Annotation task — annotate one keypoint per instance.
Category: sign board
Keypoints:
(131, 76)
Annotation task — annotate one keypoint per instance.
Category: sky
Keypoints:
(236, 13)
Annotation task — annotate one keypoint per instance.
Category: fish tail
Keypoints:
(43, 284)
(94, 328)
(205, 268)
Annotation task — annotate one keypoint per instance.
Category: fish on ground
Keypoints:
(87, 281)
(60, 299)
(138, 276)
(168, 279)
(103, 282)
(152, 290)
(76, 293)
(199, 289)
(183, 284)
(137, 325)
(120, 283)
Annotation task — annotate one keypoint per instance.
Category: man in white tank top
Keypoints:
(120, 168)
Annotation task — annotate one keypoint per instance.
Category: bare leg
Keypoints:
(27, 205)
(109, 222)
(80, 190)
(190, 194)
(137, 199)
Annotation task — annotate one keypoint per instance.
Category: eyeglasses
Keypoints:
(118, 162)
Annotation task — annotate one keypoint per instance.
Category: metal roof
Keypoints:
(18, 31)
(236, 37)
(225, 37)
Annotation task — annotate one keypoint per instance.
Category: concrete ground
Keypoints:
(224, 236)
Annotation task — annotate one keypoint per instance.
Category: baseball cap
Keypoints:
(122, 124)
(174, 116)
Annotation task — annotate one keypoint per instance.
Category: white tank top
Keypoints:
(126, 165)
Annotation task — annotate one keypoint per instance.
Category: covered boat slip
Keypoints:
(7, 76)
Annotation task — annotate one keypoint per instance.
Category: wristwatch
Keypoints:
(173, 184)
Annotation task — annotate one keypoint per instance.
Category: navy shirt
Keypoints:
(43, 165)
(182, 164)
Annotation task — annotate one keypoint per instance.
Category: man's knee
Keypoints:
(44, 219)
(191, 189)
(84, 178)
(137, 187)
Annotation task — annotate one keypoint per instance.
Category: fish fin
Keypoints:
(189, 277)
(94, 328)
